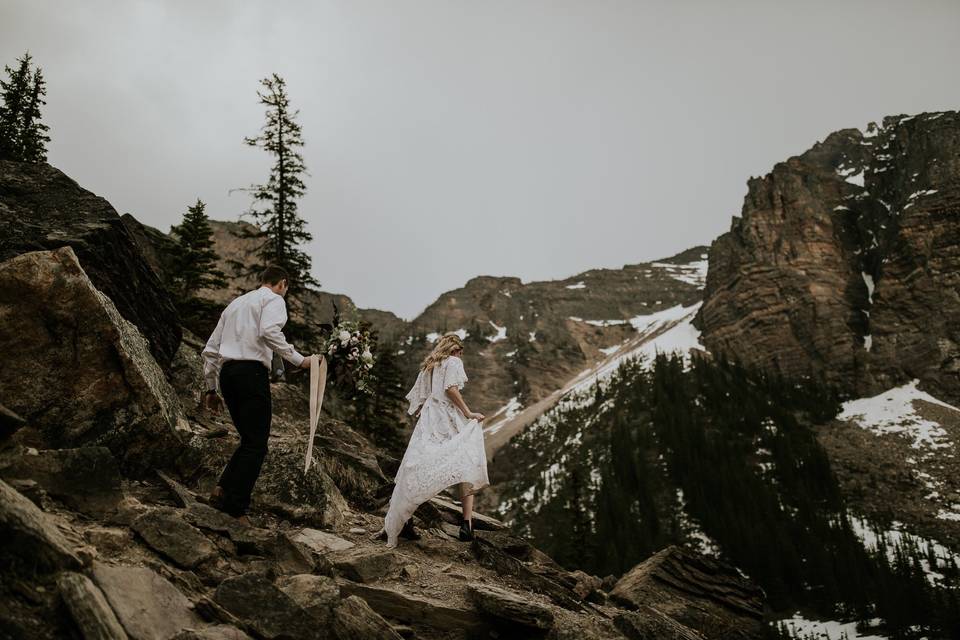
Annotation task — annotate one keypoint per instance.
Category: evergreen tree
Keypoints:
(33, 134)
(22, 134)
(194, 257)
(274, 206)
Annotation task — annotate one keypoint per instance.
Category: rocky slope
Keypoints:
(107, 535)
(845, 261)
(41, 208)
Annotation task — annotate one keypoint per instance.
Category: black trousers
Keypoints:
(245, 385)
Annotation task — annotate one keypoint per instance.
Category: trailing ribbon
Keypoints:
(318, 382)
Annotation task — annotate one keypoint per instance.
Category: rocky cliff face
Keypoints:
(525, 341)
(41, 208)
(844, 263)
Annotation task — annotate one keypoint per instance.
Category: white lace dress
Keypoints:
(445, 449)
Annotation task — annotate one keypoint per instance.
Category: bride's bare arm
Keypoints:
(454, 394)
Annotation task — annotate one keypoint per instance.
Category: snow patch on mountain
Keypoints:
(893, 412)
(808, 629)
(694, 273)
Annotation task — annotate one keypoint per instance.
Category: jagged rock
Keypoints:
(148, 606)
(92, 378)
(353, 619)
(321, 541)
(283, 488)
(648, 623)
(789, 286)
(41, 208)
(89, 608)
(10, 423)
(510, 607)
(492, 557)
(586, 584)
(216, 632)
(697, 591)
(86, 479)
(393, 604)
(267, 609)
(30, 540)
(316, 594)
(360, 565)
(169, 535)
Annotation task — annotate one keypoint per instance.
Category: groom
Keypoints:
(236, 360)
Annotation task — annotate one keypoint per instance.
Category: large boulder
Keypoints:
(76, 370)
(283, 488)
(41, 208)
(695, 590)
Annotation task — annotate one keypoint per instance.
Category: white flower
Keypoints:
(367, 356)
(351, 356)
(344, 336)
(354, 340)
(333, 347)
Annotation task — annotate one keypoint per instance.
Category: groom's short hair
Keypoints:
(274, 274)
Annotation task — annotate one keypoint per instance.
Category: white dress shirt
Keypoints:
(250, 328)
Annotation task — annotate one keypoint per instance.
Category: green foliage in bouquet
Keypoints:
(348, 346)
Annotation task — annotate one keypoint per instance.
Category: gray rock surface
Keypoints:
(167, 533)
(89, 608)
(148, 606)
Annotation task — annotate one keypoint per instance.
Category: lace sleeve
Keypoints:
(453, 373)
(418, 394)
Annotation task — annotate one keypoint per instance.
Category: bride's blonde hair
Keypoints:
(444, 348)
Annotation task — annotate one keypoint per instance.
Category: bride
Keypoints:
(446, 447)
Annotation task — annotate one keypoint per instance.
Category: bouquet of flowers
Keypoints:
(348, 349)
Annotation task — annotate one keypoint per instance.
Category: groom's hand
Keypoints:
(306, 362)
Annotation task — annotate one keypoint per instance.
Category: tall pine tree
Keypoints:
(274, 206)
(194, 257)
(23, 136)
(33, 134)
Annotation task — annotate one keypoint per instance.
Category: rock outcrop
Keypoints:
(844, 263)
(76, 370)
(41, 208)
(695, 591)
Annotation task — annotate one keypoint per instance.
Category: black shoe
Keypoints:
(466, 530)
(408, 532)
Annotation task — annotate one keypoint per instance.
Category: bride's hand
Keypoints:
(477, 416)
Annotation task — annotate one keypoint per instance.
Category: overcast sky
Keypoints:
(452, 139)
